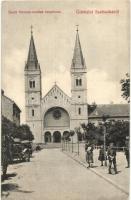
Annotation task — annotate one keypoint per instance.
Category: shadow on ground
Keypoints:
(10, 175)
(94, 166)
(8, 187)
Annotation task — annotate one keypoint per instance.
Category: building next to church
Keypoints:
(10, 109)
(114, 111)
(55, 114)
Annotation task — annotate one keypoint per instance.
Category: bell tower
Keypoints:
(33, 93)
(79, 83)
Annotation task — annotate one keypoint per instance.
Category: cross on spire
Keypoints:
(32, 61)
(31, 27)
(78, 60)
(77, 27)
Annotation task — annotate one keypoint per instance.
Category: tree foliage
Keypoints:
(10, 129)
(79, 133)
(125, 87)
(24, 132)
(72, 132)
(116, 132)
(91, 107)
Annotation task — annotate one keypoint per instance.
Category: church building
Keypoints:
(55, 114)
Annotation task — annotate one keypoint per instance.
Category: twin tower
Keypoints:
(54, 115)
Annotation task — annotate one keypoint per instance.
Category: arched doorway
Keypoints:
(57, 137)
(47, 137)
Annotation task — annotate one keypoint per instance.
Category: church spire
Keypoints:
(32, 61)
(78, 60)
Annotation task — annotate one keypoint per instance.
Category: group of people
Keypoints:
(104, 155)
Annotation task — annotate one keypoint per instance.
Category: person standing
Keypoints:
(101, 156)
(89, 156)
(5, 154)
(112, 158)
(127, 154)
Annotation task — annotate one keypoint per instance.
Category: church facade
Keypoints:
(55, 114)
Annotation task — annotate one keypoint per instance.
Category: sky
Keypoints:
(104, 40)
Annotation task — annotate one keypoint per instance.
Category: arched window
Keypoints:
(79, 111)
(32, 84)
(78, 82)
(33, 112)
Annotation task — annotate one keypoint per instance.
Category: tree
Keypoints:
(90, 131)
(66, 136)
(24, 132)
(116, 132)
(91, 107)
(10, 129)
(125, 87)
(7, 131)
(7, 127)
(72, 133)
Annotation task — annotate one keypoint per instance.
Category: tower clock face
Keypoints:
(57, 114)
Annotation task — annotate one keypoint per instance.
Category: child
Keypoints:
(89, 156)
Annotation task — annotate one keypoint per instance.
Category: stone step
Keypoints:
(52, 145)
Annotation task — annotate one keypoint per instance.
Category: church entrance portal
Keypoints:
(56, 120)
(47, 137)
(57, 137)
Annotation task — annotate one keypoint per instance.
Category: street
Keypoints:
(52, 175)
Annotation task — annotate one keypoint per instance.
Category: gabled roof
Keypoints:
(56, 87)
(113, 110)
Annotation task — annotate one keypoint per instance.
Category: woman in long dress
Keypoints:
(101, 155)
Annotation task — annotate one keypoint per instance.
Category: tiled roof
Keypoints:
(113, 110)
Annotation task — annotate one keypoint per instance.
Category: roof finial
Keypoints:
(77, 27)
(31, 27)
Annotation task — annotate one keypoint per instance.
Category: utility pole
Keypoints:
(104, 118)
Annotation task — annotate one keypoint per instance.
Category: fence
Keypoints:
(78, 148)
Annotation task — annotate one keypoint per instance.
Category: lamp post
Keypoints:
(78, 142)
(104, 118)
(105, 145)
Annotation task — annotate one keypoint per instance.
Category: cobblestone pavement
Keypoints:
(52, 175)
